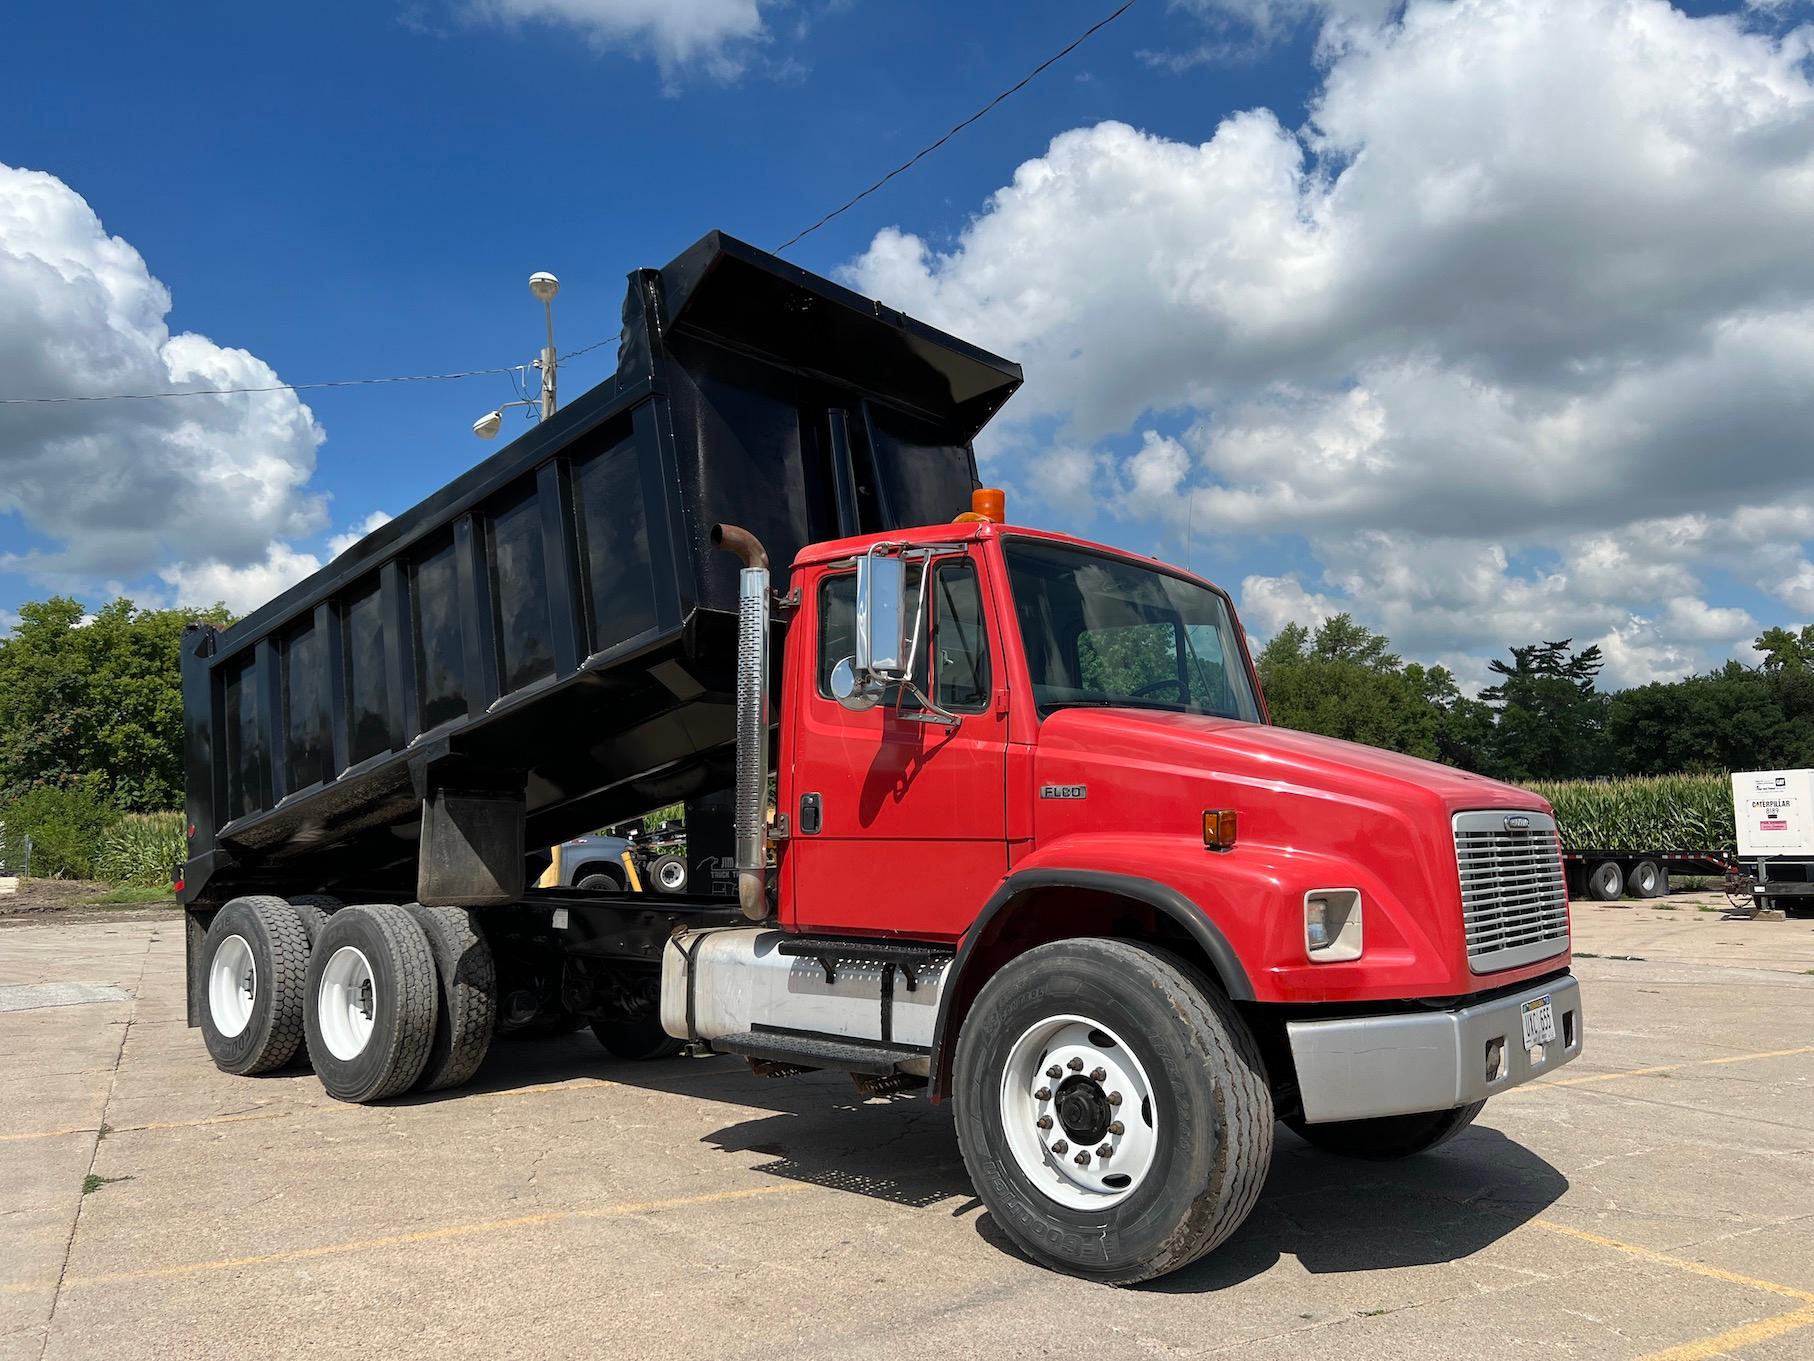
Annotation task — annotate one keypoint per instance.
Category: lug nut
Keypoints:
(1098, 1074)
(1054, 1071)
(1114, 1098)
(1116, 1127)
(1043, 1094)
(1082, 1160)
(1075, 1065)
(1061, 1147)
(1104, 1151)
(1044, 1122)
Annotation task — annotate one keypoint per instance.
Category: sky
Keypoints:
(1483, 320)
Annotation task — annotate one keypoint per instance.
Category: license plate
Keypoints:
(1539, 1022)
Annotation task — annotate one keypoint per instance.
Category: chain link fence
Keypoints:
(15, 854)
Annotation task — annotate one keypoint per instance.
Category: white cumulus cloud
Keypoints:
(1515, 330)
(714, 36)
(118, 487)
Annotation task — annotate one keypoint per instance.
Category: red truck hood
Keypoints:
(1280, 757)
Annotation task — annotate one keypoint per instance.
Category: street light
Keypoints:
(544, 286)
(487, 426)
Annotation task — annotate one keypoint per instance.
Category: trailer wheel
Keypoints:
(1647, 880)
(257, 956)
(313, 911)
(669, 874)
(1389, 1136)
(1606, 881)
(372, 1003)
(466, 1013)
(1112, 1109)
(639, 1038)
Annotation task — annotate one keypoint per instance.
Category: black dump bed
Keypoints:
(554, 625)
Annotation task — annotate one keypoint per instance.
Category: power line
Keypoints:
(926, 151)
(797, 237)
(276, 387)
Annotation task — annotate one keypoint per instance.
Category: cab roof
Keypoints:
(977, 531)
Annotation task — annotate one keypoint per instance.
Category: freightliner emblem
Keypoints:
(1063, 791)
(1517, 823)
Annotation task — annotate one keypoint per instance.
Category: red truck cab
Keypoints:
(1065, 785)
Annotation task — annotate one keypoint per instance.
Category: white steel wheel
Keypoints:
(232, 985)
(1077, 1110)
(346, 1002)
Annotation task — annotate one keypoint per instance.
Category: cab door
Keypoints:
(897, 821)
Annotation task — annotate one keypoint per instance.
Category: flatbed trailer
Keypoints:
(1033, 848)
(1606, 875)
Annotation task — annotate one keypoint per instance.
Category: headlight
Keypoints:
(1332, 924)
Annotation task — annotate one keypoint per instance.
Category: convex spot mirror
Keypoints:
(881, 634)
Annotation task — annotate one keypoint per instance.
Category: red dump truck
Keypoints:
(1034, 849)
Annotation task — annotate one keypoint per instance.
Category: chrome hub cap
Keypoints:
(1077, 1110)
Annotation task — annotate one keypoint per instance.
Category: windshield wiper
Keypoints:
(1127, 702)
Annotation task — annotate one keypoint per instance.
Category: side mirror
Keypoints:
(881, 634)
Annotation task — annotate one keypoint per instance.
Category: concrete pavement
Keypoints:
(1656, 1197)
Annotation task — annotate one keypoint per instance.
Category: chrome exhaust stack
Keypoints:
(751, 820)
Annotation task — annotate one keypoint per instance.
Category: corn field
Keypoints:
(1643, 813)
(142, 849)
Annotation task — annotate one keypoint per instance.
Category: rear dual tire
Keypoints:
(254, 984)
(373, 1002)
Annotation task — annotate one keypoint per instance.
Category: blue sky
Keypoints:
(352, 190)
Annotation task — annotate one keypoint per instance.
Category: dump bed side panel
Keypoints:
(553, 625)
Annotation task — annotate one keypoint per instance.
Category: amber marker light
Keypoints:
(1219, 829)
(987, 504)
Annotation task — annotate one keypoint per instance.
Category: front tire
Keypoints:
(372, 1002)
(1150, 1146)
(255, 984)
(1387, 1137)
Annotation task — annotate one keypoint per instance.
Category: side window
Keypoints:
(958, 649)
(960, 673)
(838, 626)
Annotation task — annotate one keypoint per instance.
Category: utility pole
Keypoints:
(545, 286)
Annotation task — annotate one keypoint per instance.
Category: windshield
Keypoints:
(1104, 631)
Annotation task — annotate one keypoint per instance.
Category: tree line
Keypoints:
(1545, 718)
(94, 703)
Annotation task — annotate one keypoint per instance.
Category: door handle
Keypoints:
(812, 815)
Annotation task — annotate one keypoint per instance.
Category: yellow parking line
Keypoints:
(446, 1231)
(1745, 1335)
(1681, 1263)
(1721, 1343)
(1661, 1068)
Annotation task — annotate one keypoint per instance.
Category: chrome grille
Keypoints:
(1514, 901)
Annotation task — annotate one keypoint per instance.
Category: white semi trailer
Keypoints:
(1774, 814)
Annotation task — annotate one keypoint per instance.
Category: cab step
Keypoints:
(817, 1051)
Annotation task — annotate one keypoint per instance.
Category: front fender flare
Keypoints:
(1161, 897)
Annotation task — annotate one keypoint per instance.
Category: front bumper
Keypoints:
(1360, 1067)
